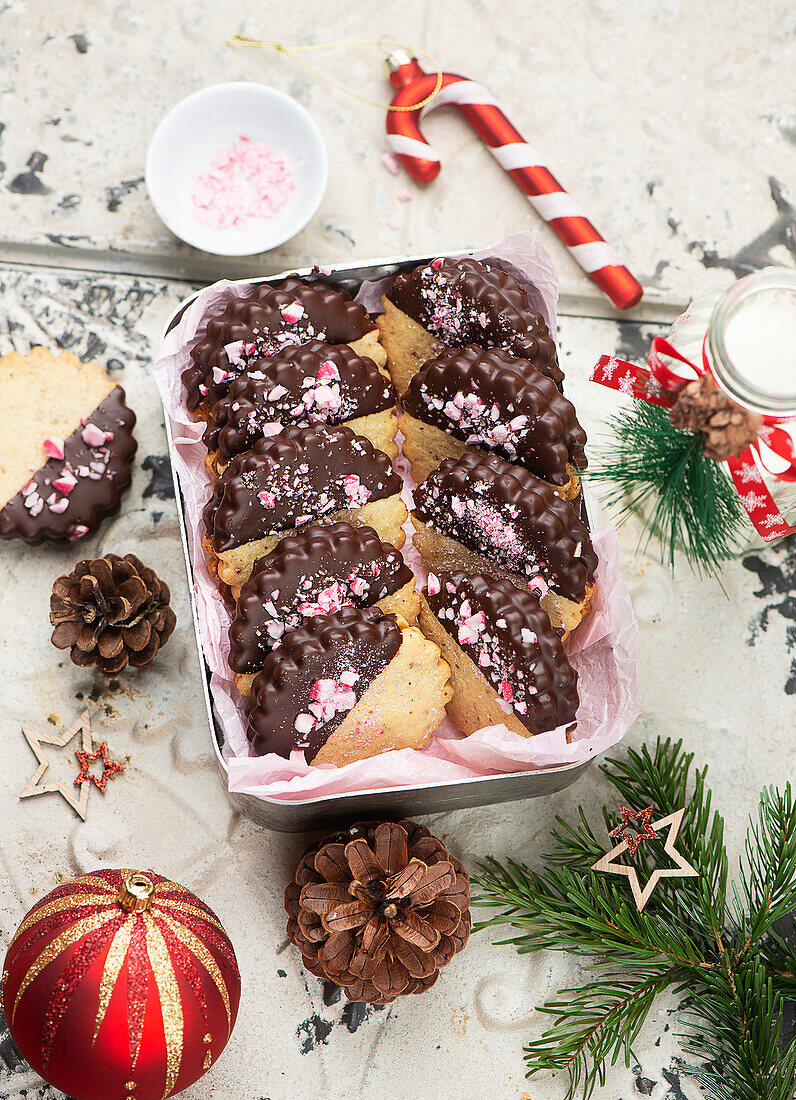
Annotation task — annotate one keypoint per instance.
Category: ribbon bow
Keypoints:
(774, 450)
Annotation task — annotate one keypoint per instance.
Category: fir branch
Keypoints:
(736, 963)
(595, 1025)
(662, 472)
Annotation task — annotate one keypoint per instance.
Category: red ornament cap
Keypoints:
(121, 984)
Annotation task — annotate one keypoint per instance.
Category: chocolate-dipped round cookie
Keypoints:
(453, 302)
(303, 384)
(491, 401)
(507, 663)
(315, 572)
(255, 326)
(66, 441)
(318, 474)
(347, 686)
(482, 514)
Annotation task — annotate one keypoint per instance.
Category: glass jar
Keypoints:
(751, 348)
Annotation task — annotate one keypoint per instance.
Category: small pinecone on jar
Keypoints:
(379, 910)
(111, 612)
(727, 428)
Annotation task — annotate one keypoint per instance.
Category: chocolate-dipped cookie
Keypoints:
(320, 474)
(65, 446)
(302, 385)
(316, 572)
(483, 515)
(348, 686)
(454, 302)
(507, 662)
(273, 317)
(491, 401)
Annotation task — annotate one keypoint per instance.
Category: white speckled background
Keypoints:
(674, 126)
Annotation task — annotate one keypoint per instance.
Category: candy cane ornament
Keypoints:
(507, 145)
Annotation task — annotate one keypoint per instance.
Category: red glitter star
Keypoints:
(109, 767)
(642, 825)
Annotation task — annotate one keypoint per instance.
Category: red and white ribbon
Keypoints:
(774, 451)
(522, 162)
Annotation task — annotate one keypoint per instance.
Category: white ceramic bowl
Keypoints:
(210, 121)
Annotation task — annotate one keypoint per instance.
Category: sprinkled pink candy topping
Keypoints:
(245, 184)
(54, 447)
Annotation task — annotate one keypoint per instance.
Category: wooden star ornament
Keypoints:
(683, 868)
(36, 740)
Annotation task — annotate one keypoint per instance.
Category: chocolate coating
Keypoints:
(297, 385)
(289, 479)
(512, 519)
(101, 473)
(317, 571)
(464, 301)
(260, 322)
(508, 636)
(300, 698)
(494, 400)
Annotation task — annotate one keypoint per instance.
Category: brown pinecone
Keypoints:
(727, 428)
(379, 909)
(111, 611)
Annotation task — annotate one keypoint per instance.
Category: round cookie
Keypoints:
(349, 686)
(65, 446)
(508, 665)
(492, 402)
(483, 515)
(302, 384)
(320, 474)
(255, 326)
(453, 302)
(316, 572)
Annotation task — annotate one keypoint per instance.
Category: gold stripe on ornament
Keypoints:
(195, 945)
(190, 910)
(57, 946)
(170, 1002)
(57, 905)
(114, 961)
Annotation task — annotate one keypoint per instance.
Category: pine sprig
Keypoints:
(726, 951)
(662, 473)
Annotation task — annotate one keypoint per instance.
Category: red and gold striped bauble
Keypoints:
(121, 985)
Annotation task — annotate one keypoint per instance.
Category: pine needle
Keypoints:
(686, 499)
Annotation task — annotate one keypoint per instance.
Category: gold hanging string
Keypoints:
(386, 42)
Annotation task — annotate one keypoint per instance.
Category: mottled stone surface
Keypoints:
(168, 810)
(672, 123)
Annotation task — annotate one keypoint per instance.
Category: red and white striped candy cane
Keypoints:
(507, 145)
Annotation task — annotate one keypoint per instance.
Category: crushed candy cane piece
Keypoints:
(54, 447)
(292, 313)
(267, 499)
(391, 163)
(77, 532)
(93, 436)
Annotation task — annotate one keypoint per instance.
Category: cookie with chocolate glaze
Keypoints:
(316, 572)
(454, 302)
(65, 446)
(490, 401)
(302, 385)
(256, 325)
(483, 515)
(508, 665)
(320, 474)
(349, 686)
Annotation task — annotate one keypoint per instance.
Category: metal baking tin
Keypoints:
(333, 810)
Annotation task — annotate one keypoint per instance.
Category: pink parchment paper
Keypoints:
(602, 649)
